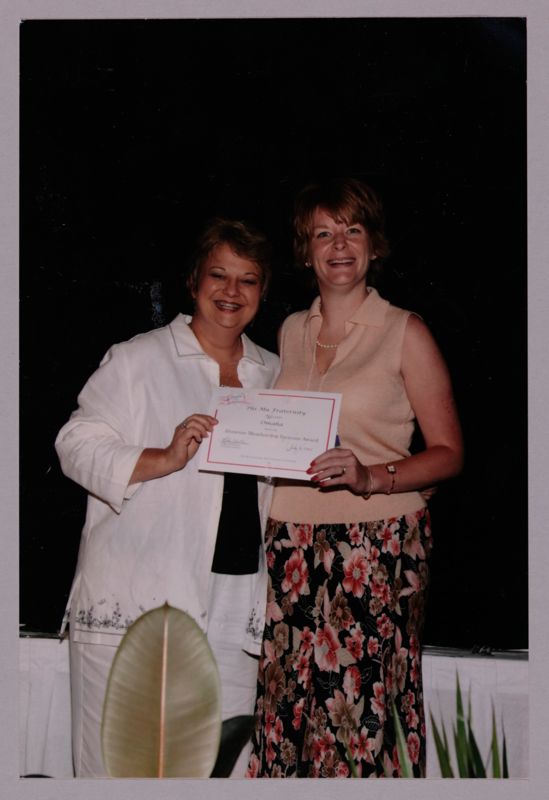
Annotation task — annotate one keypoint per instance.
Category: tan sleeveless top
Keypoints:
(376, 421)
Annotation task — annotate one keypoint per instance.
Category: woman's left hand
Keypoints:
(340, 467)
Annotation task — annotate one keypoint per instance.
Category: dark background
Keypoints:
(134, 132)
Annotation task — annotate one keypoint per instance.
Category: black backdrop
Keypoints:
(134, 132)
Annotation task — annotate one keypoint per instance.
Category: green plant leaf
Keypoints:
(469, 759)
(161, 715)
(443, 752)
(235, 732)
(505, 765)
(460, 735)
(446, 745)
(406, 769)
(475, 759)
(496, 765)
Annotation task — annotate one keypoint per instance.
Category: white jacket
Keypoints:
(153, 542)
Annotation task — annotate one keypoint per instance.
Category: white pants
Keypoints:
(90, 665)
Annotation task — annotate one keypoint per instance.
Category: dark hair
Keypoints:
(245, 240)
(345, 199)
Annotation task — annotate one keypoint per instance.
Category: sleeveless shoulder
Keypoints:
(292, 327)
(295, 320)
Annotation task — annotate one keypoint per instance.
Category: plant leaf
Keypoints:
(442, 749)
(235, 732)
(161, 715)
(406, 769)
(460, 735)
(505, 765)
(496, 766)
(475, 759)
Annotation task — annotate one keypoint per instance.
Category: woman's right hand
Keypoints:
(156, 462)
(186, 439)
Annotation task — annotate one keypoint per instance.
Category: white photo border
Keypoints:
(536, 12)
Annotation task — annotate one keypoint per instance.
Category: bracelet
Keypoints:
(368, 494)
(391, 469)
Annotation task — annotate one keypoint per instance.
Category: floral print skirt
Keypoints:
(342, 641)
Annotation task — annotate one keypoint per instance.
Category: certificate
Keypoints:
(269, 432)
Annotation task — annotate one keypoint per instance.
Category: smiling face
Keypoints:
(339, 252)
(228, 290)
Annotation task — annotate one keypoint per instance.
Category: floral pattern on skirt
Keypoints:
(345, 610)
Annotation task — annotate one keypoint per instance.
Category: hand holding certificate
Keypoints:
(269, 432)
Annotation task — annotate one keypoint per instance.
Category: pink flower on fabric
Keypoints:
(338, 612)
(323, 552)
(307, 640)
(385, 626)
(407, 700)
(253, 767)
(300, 536)
(375, 606)
(414, 646)
(353, 643)
(281, 639)
(362, 746)
(377, 702)
(415, 671)
(356, 534)
(273, 612)
(345, 716)
(400, 668)
(342, 770)
(414, 583)
(394, 545)
(298, 714)
(326, 647)
(268, 653)
(270, 754)
(388, 765)
(270, 718)
(382, 591)
(296, 576)
(413, 745)
(387, 536)
(276, 732)
(373, 646)
(412, 544)
(352, 683)
(412, 718)
(303, 668)
(356, 570)
(275, 684)
(320, 746)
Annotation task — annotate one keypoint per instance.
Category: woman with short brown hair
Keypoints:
(348, 551)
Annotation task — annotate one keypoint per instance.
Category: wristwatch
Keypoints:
(391, 469)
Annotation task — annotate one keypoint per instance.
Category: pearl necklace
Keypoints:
(326, 346)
